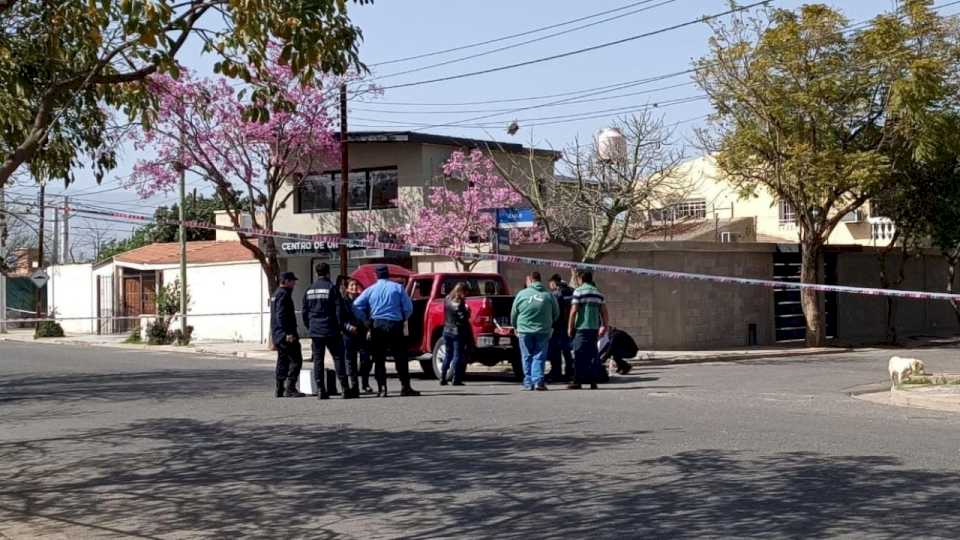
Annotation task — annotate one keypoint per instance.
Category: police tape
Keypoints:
(333, 241)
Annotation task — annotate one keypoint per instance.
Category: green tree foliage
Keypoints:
(808, 110)
(66, 68)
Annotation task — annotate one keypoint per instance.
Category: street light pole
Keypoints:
(38, 298)
(344, 180)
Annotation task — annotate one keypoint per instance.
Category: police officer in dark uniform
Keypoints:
(321, 307)
(283, 330)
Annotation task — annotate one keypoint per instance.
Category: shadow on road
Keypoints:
(186, 477)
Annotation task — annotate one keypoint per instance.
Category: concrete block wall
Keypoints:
(669, 314)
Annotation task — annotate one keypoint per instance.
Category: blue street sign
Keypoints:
(515, 217)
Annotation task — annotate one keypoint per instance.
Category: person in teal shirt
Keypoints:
(588, 321)
(534, 312)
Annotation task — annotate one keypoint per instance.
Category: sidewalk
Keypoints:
(260, 350)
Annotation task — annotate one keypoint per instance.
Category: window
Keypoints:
(475, 287)
(691, 209)
(317, 193)
(787, 214)
(383, 188)
(368, 188)
(421, 289)
(688, 209)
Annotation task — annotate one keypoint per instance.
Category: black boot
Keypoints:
(320, 380)
(381, 389)
(347, 391)
(443, 378)
(291, 390)
(331, 382)
(408, 391)
(355, 386)
(280, 390)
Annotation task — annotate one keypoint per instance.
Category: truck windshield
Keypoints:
(475, 286)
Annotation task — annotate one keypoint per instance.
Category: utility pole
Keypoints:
(55, 257)
(65, 259)
(38, 297)
(183, 247)
(344, 180)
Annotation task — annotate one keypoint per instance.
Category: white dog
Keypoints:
(901, 368)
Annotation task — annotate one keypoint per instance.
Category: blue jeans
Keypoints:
(586, 356)
(453, 357)
(533, 350)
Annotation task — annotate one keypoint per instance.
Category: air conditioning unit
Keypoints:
(728, 237)
(857, 216)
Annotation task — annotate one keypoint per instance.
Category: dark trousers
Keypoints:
(289, 362)
(387, 338)
(559, 350)
(354, 347)
(454, 357)
(587, 358)
(334, 344)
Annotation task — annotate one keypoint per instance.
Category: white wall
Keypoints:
(226, 288)
(71, 293)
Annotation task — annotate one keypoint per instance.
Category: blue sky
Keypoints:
(395, 29)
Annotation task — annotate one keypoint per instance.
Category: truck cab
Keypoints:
(489, 301)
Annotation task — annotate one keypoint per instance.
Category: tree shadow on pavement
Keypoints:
(183, 477)
(128, 386)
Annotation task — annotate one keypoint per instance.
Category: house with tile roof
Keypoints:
(227, 288)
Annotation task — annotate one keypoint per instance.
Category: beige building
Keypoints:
(386, 167)
(713, 200)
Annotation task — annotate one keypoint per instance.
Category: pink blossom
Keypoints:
(459, 214)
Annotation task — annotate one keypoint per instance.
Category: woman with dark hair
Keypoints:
(355, 333)
(456, 331)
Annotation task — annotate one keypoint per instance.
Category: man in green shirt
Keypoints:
(534, 312)
(588, 321)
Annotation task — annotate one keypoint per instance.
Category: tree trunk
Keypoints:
(810, 300)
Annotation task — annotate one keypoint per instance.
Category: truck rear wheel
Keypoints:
(439, 353)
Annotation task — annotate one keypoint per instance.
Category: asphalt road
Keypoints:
(109, 443)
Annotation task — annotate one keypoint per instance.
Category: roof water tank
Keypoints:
(611, 144)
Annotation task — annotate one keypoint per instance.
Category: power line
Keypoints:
(615, 110)
(527, 42)
(511, 36)
(577, 101)
(582, 50)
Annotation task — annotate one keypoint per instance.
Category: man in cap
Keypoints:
(386, 306)
(283, 331)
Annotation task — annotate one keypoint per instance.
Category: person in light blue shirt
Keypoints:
(385, 306)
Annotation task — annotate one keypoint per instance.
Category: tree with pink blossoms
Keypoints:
(254, 158)
(458, 214)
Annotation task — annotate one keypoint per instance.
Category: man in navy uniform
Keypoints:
(321, 308)
(386, 306)
(283, 330)
(559, 352)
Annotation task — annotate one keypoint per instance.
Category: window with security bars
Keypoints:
(686, 209)
(787, 215)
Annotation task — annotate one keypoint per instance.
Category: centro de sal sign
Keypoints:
(304, 247)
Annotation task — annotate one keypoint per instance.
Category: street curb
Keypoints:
(638, 362)
(908, 398)
(134, 347)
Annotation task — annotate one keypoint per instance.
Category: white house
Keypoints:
(228, 291)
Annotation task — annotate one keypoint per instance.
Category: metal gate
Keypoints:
(789, 323)
(106, 306)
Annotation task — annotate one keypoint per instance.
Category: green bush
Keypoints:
(159, 334)
(183, 339)
(134, 336)
(48, 329)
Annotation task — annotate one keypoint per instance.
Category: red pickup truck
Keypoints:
(489, 301)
